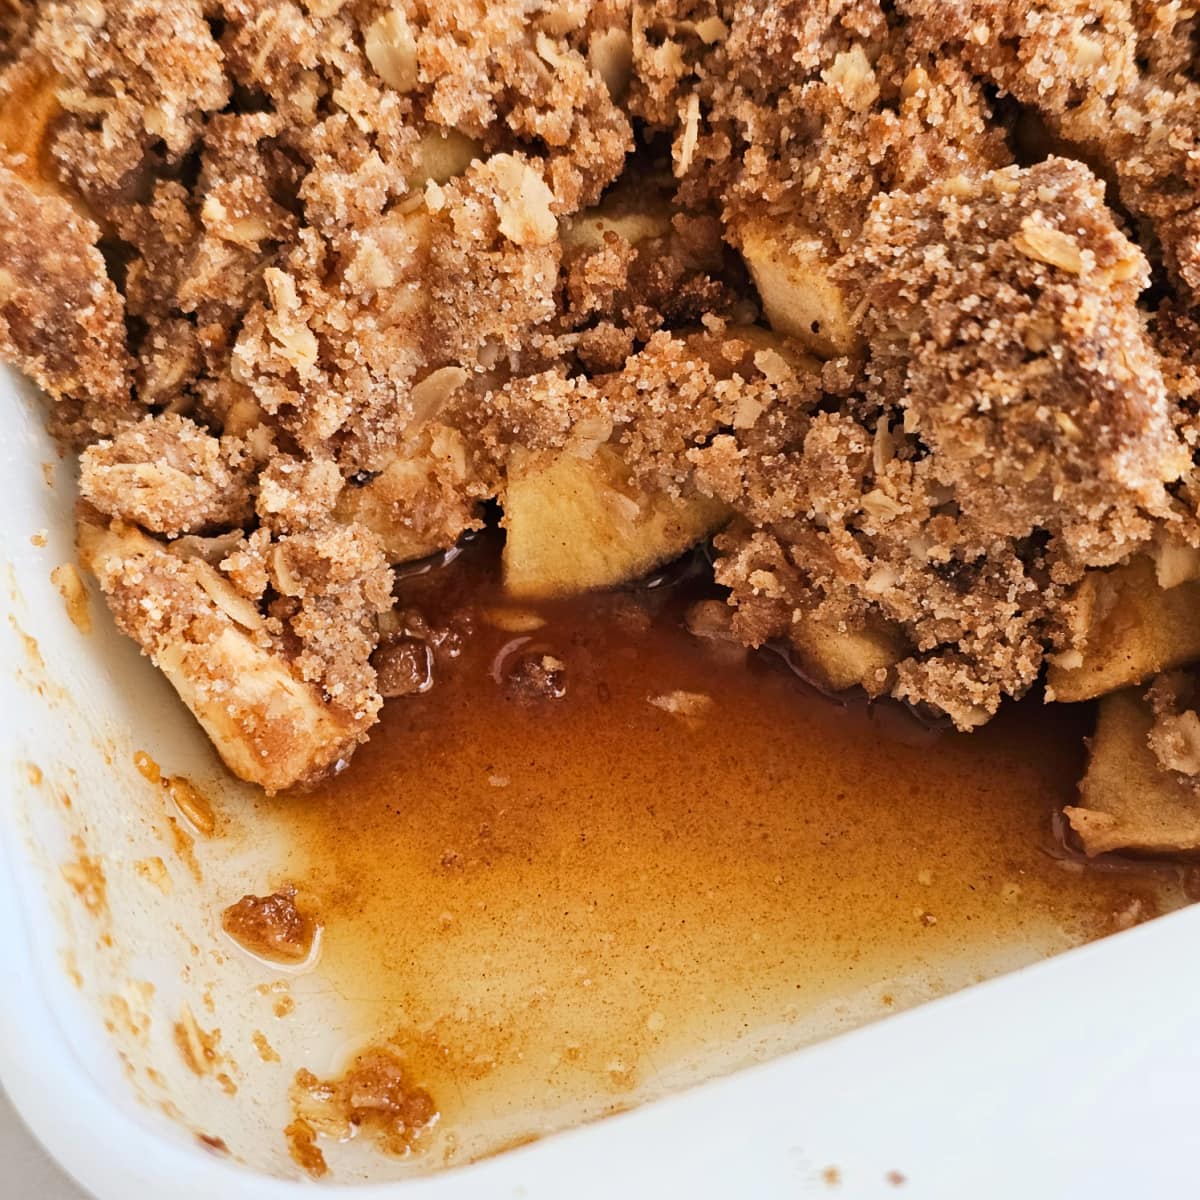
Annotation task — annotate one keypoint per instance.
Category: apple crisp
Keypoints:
(893, 302)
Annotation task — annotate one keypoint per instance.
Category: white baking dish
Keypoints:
(1073, 1077)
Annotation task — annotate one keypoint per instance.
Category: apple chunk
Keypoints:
(270, 727)
(1127, 801)
(632, 221)
(793, 269)
(858, 656)
(578, 524)
(29, 107)
(1130, 628)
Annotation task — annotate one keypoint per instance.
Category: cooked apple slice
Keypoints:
(636, 216)
(29, 106)
(857, 656)
(792, 267)
(441, 155)
(1129, 628)
(577, 524)
(1126, 800)
(207, 639)
(588, 228)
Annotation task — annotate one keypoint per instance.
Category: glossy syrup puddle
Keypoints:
(555, 910)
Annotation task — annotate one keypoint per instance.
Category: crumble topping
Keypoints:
(1116, 79)
(170, 476)
(61, 316)
(309, 283)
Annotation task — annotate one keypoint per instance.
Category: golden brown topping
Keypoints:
(1020, 358)
(168, 475)
(61, 317)
(1115, 78)
(353, 270)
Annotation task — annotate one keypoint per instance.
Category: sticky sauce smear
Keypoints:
(554, 909)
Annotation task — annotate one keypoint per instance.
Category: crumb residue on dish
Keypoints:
(201, 1051)
(85, 876)
(154, 871)
(70, 585)
(375, 1095)
(272, 927)
(194, 806)
(266, 1051)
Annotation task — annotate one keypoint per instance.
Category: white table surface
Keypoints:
(28, 1174)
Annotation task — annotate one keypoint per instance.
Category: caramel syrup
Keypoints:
(555, 908)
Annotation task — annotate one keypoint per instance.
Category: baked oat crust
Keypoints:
(305, 280)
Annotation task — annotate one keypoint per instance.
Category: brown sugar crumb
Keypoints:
(374, 1095)
(987, 453)
(877, 113)
(272, 927)
(134, 74)
(1115, 79)
(168, 475)
(534, 677)
(1039, 428)
(61, 317)
(404, 667)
